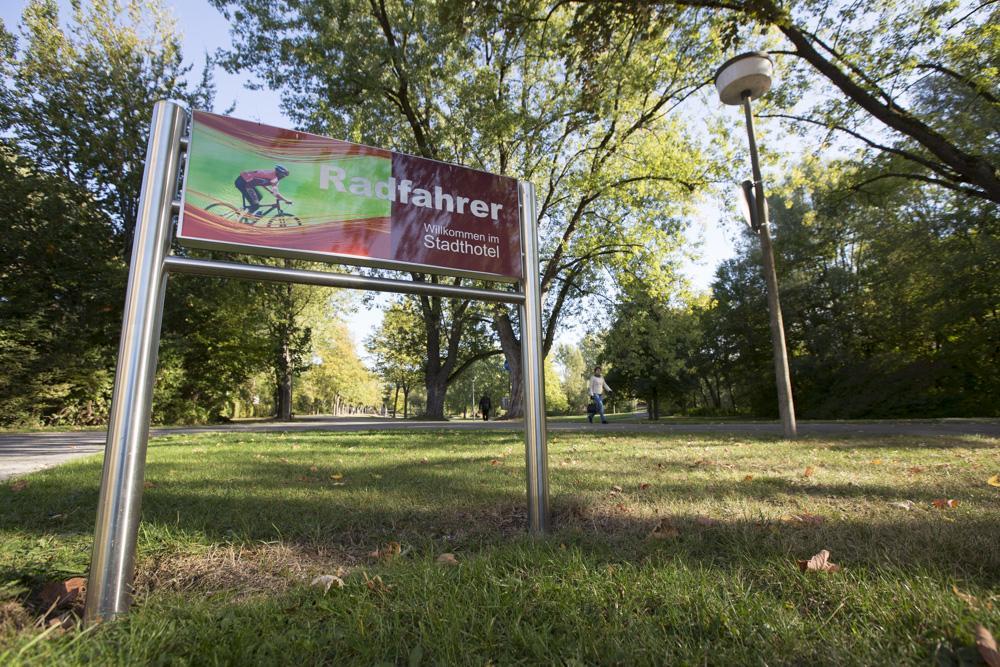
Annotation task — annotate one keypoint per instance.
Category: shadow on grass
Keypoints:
(468, 503)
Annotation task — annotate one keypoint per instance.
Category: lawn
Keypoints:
(666, 550)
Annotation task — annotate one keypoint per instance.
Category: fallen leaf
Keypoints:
(424, 461)
(748, 478)
(806, 518)
(943, 503)
(447, 559)
(915, 470)
(390, 550)
(148, 485)
(905, 504)
(337, 475)
(808, 472)
(644, 486)
(819, 563)
(621, 508)
(19, 485)
(327, 581)
(987, 646)
(376, 584)
(495, 462)
(876, 462)
(994, 480)
(966, 598)
(616, 489)
(313, 469)
(67, 593)
(665, 530)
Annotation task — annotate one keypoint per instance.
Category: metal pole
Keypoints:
(204, 267)
(786, 406)
(113, 560)
(536, 451)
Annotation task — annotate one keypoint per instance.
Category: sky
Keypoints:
(204, 30)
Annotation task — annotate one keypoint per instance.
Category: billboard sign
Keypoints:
(264, 190)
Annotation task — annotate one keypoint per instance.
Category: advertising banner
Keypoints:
(264, 190)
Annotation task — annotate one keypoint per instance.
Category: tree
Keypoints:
(336, 379)
(555, 395)
(574, 376)
(873, 60)
(484, 377)
(398, 351)
(74, 110)
(77, 101)
(501, 87)
(57, 319)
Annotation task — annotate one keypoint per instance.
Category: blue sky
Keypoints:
(204, 30)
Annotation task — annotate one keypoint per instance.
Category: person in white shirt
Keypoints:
(597, 387)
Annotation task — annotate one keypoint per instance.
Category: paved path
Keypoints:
(21, 453)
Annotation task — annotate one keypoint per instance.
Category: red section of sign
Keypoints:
(469, 219)
(282, 142)
(361, 238)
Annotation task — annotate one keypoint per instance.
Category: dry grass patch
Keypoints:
(240, 571)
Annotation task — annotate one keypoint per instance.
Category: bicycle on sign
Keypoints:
(250, 212)
(272, 216)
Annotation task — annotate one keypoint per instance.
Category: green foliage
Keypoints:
(556, 402)
(503, 87)
(398, 350)
(574, 377)
(889, 299)
(75, 104)
(62, 286)
(336, 380)
(488, 377)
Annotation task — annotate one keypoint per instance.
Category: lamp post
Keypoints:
(739, 80)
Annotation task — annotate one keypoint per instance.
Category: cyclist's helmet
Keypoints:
(280, 171)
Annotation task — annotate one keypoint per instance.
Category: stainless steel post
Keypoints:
(113, 560)
(536, 451)
(786, 406)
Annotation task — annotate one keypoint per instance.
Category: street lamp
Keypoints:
(740, 79)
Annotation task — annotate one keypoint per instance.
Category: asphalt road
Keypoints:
(22, 453)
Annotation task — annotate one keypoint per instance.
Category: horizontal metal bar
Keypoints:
(201, 267)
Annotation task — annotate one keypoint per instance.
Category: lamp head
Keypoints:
(748, 73)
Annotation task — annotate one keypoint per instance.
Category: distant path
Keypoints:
(22, 453)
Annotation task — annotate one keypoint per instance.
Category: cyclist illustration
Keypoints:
(249, 213)
(248, 182)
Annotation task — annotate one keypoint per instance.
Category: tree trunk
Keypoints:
(284, 403)
(406, 401)
(511, 347)
(395, 401)
(436, 392)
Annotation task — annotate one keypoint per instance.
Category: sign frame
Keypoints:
(113, 558)
(334, 257)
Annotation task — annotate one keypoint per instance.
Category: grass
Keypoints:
(235, 526)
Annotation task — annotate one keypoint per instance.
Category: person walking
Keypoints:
(484, 407)
(597, 387)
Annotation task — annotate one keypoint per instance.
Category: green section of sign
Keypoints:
(217, 159)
